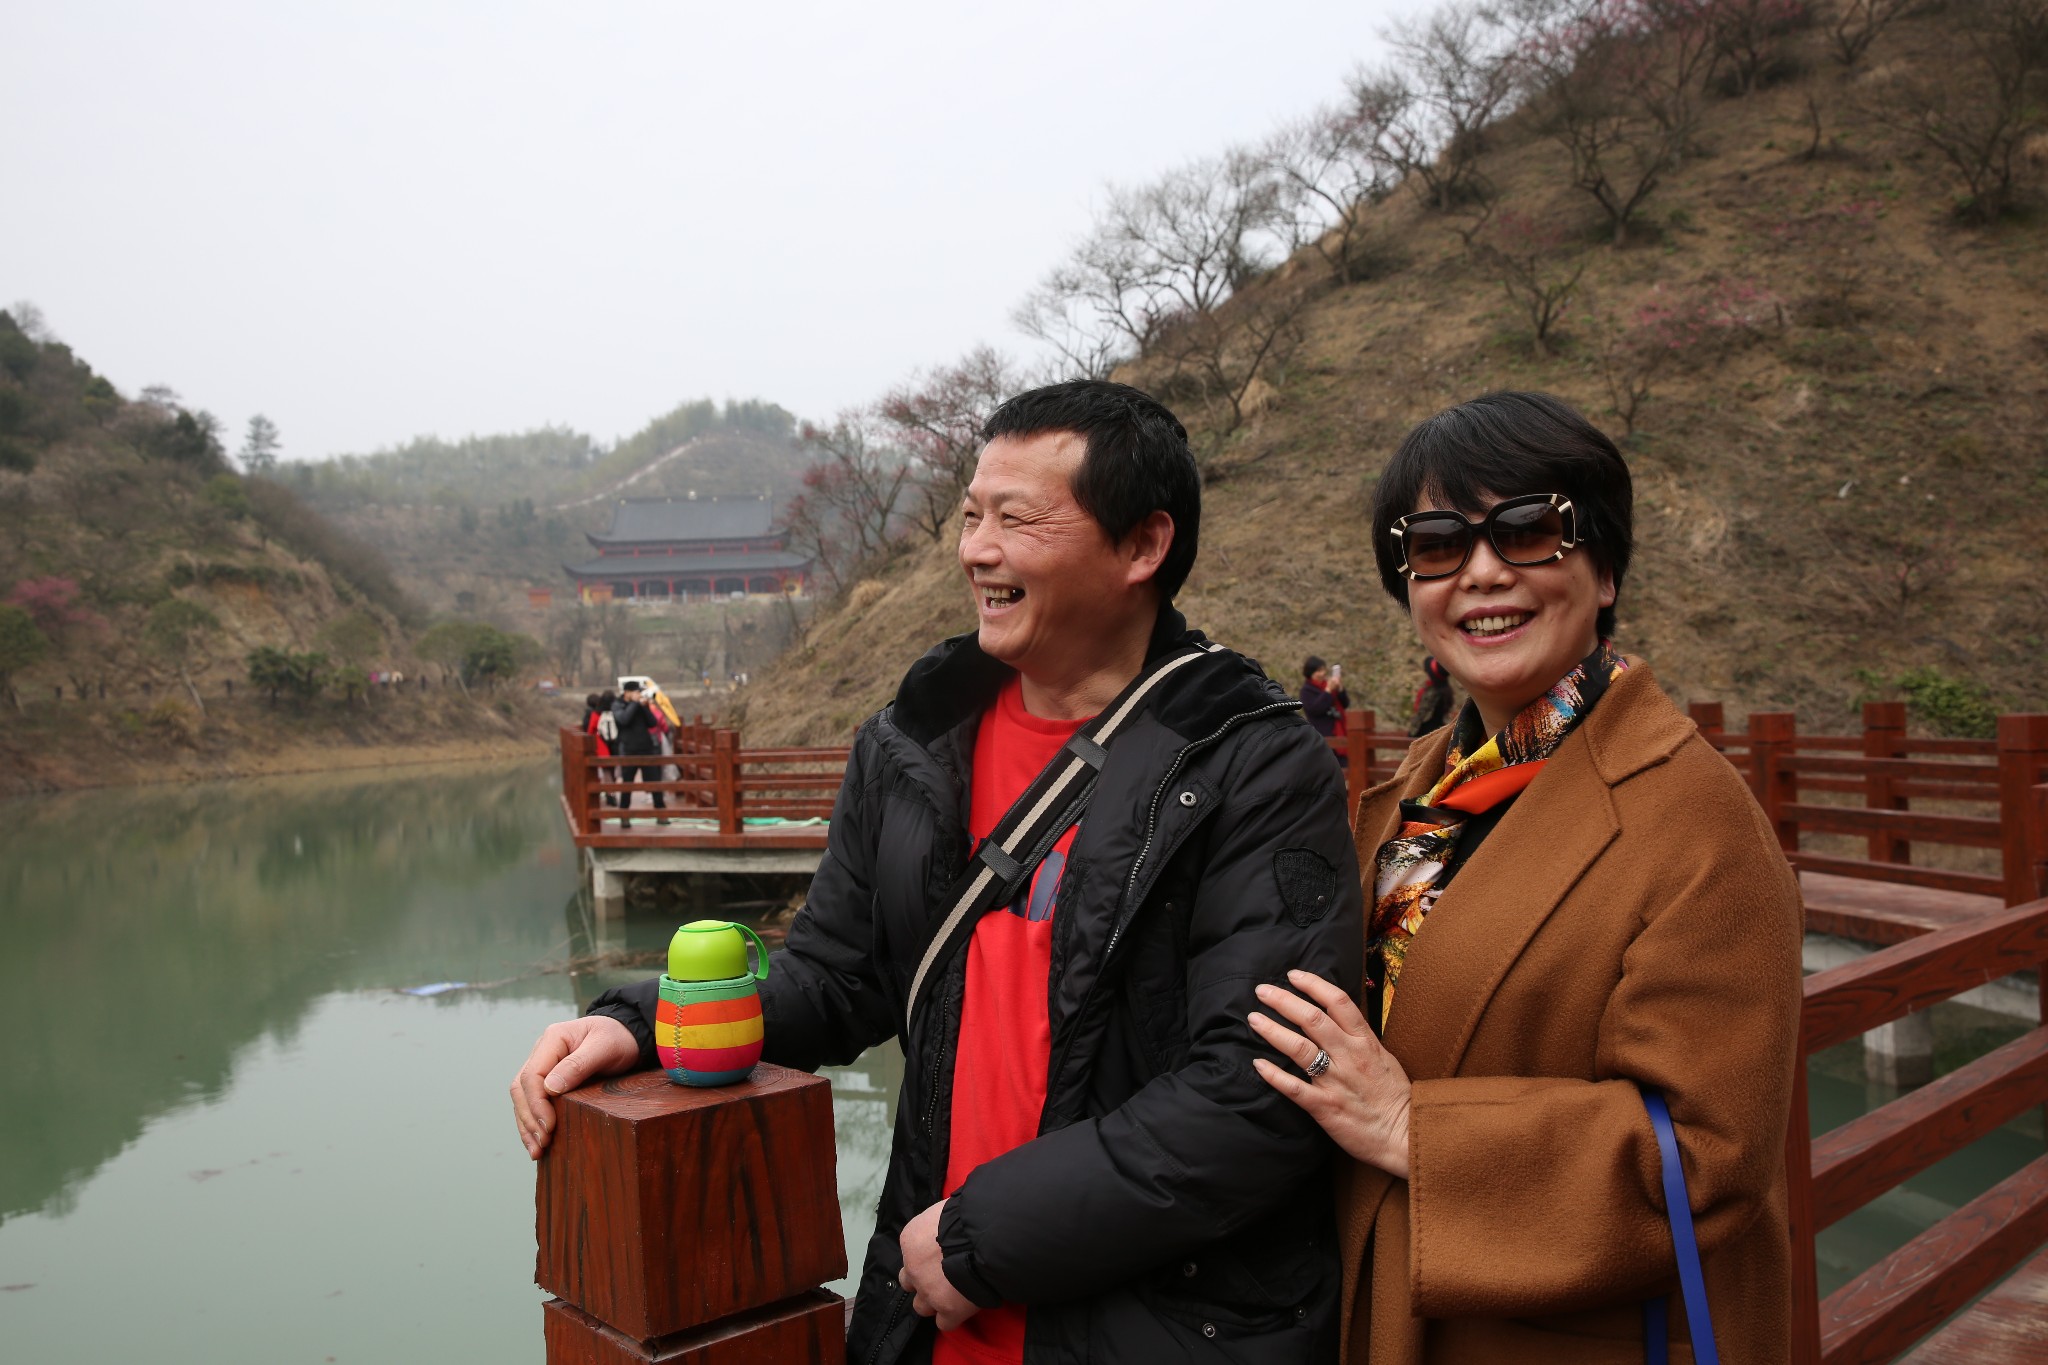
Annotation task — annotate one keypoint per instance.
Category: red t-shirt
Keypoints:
(1005, 1036)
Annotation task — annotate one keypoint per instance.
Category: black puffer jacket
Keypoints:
(1174, 1207)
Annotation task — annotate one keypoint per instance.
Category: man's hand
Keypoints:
(566, 1056)
(924, 1273)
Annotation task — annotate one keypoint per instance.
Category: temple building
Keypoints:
(690, 549)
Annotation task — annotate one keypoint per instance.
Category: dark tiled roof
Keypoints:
(697, 565)
(651, 519)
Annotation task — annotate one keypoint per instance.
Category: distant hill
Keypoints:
(111, 508)
(1835, 380)
(473, 524)
(138, 575)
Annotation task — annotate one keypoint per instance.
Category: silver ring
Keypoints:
(1318, 1064)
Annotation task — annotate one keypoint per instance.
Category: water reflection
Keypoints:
(153, 935)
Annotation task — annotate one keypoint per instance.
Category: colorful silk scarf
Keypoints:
(1479, 774)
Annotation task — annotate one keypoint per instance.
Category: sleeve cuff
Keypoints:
(959, 1264)
(635, 1021)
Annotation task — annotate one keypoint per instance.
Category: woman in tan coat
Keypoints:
(1574, 897)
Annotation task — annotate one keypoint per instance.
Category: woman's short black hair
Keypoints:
(591, 702)
(1137, 461)
(1503, 445)
(1310, 665)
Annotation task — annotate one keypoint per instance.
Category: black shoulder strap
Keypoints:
(1049, 807)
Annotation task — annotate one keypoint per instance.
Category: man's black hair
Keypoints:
(1503, 445)
(1137, 461)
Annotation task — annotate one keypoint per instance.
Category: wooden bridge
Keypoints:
(1924, 859)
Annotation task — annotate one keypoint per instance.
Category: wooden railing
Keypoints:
(1361, 748)
(1889, 770)
(1883, 1311)
(717, 781)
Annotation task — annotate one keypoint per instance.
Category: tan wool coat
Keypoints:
(1630, 920)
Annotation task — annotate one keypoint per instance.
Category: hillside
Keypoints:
(1841, 477)
(138, 574)
(471, 525)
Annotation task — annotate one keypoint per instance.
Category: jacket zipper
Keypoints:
(1159, 794)
(882, 1337)
(1137, 864)
(931, 1103)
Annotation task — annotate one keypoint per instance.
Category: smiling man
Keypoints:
(1085, 1165)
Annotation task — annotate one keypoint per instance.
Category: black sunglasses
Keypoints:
(1537, 529)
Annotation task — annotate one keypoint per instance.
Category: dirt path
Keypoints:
(642, 472)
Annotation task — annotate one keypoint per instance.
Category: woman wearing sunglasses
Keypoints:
(1573, 898)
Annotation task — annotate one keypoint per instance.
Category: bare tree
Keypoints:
(936, 418)
(1456, 73)
(846, 515)
(1617, 84)
(618, 637)
(1328, 167)
(1159, 253)
(1858, 22)
(1528, 258)
(1979, 112)
(1218, 356)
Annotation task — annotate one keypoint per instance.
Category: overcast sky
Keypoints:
(376, 220)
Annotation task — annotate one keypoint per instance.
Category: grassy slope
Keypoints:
(1864, 487)
(133, 526)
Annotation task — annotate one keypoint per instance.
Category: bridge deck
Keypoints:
(1884, 913)
(2008, 1326)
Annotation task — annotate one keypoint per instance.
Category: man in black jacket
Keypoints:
(1160, 1201)
(636, 722)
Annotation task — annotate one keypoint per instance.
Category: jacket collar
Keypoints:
(955, 682)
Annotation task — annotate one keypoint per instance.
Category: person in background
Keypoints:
(638, 724)
(598, 723)
(1432, 699)
(1573, 899)
(1323, 698)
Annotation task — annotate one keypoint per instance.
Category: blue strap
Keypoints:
(1690, 1281)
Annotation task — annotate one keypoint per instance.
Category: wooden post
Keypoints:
(1799, 1201)
(1711, 718)
(687, 1225)
(725, 761)
(1772, 735)
(1884, 736)
(2022, 765)
(1357, 756)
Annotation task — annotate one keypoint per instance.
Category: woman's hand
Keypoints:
(1361, 1101)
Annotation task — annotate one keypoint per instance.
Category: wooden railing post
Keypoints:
(1358, 728)
(2022, 765)
(684, 1224)
(1710, 717)
(1772, 735)
(725, 764)
(1884, 736)
(574, 775)
(1799, 1200)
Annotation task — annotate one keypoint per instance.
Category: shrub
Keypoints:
(281, 671)
(22, 645)
(1949, 706)
(225, 492)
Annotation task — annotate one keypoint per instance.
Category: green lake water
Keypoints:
(226, 1136)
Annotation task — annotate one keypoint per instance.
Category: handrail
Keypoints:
(1885, 1310)
(1781, 765)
